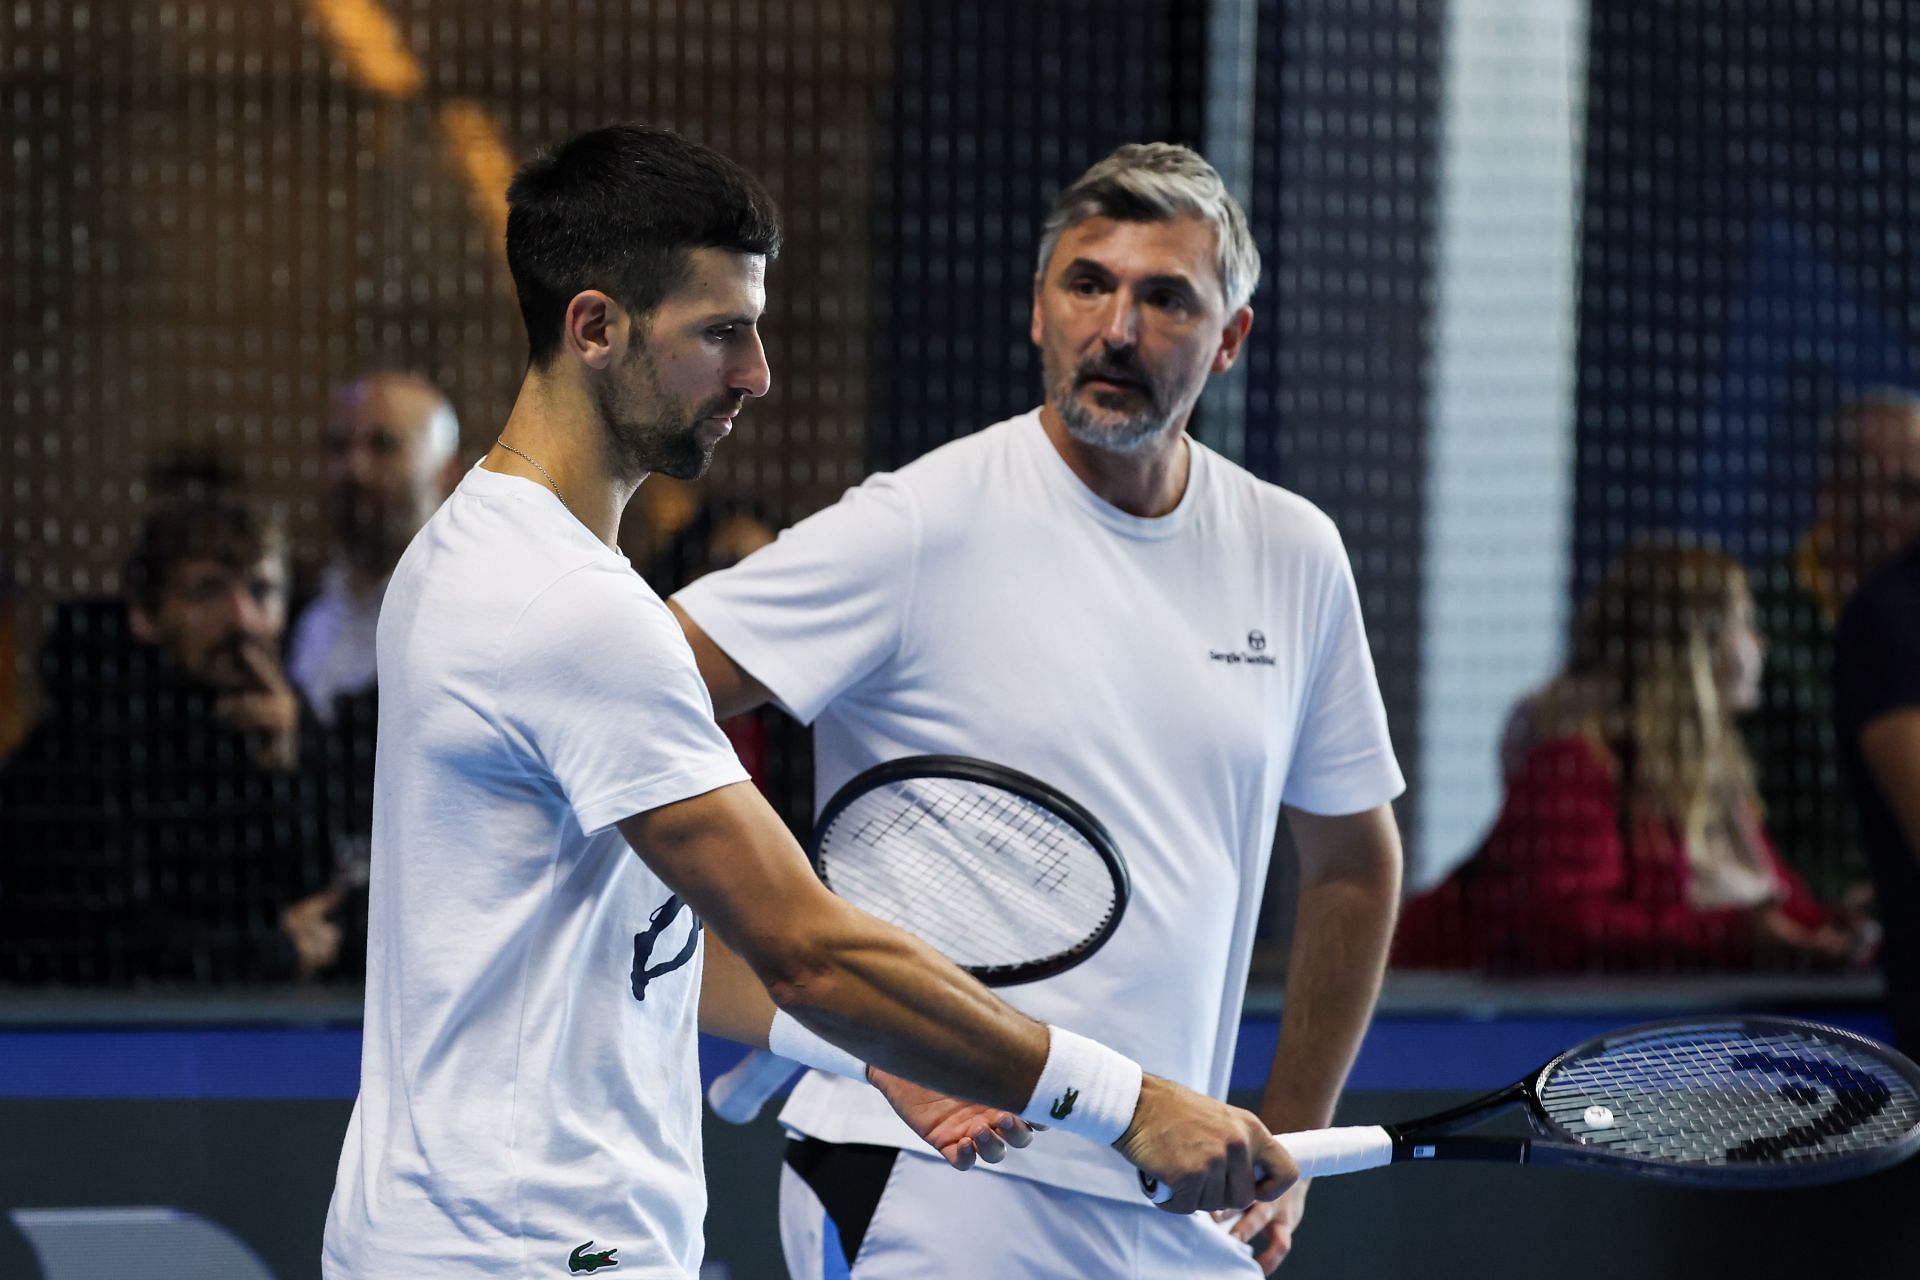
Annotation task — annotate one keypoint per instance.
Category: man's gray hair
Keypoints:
(1151, 181)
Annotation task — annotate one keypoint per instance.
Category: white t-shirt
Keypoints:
(529, 1085)
(332, 650)
(1179, 676)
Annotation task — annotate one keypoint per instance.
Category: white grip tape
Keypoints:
(1320, 1153)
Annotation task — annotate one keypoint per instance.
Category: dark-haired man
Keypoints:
(529, 1090)
(168, 819)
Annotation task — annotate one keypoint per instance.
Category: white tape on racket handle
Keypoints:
(1323, 1153)
(738, 1095)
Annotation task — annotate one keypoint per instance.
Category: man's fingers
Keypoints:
(262, 666)
(255, 711)
(1249, 1224)
(1277, 1171)
(1240, 1179)
(1279, 1244)
(1014, 1131)
(960, 1155)
(989, 1145)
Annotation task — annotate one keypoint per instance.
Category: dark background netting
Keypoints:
(212, 212)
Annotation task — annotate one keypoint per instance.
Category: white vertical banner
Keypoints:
(1232, 48)
(1501, 418)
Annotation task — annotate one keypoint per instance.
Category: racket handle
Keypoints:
(738, 1095)
(1320, 1153)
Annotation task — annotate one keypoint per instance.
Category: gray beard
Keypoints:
(1133, 433)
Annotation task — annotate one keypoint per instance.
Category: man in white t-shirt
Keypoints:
(529, 1097)
(1086, 594)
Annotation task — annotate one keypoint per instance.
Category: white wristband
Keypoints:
(1085, 1088)
(789, 1039)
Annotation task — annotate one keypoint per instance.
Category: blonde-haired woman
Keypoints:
(1631, 834)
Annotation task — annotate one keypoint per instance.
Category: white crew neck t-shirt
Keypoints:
(1179, 676)
(529, 1083)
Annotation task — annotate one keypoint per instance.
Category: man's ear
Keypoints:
(593, 326)
(1033, 321)
(1233, 339)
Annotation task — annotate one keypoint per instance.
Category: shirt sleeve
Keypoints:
(599, 686)
(1342, 757)
(825, 604)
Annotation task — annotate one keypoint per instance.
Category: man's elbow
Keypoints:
(803, 967)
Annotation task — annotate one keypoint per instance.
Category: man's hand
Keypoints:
(269, 714)
(1211, 1155)
(315, 937)
(959, 1130)
(1268, 1227)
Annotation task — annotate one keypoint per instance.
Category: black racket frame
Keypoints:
(969, 769)
(1436, 1137)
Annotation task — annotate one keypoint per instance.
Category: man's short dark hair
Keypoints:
(222, 530)
(617, 210)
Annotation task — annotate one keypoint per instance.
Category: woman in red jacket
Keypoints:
(1631, 834)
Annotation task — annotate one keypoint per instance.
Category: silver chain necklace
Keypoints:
(502, 442)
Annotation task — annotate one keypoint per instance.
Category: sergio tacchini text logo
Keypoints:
(1254, 655)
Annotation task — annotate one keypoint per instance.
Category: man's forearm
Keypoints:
(891, 1000)
(733, 1004)
(1344, 925)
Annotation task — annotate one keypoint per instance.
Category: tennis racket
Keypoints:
(997, 871)
(1731, 1102)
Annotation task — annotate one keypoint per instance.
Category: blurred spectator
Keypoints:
(393, 446)
(775, 749)
(1631, 835)
(166, 818)
(1876, 683)
(1867, 508)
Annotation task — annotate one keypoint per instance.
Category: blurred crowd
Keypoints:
(1718, 778)
(194, 800)
(1726, 772)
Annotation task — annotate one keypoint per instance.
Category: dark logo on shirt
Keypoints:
(1063, 1105)
(1254, 655)
(643, 944)
(582, 1261)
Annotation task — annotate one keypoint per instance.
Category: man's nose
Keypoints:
(754, 376)
(1121, 326)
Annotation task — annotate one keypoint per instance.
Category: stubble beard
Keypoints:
(1112, 429)
(666, 442)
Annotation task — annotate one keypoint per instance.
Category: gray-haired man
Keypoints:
(1088, 595)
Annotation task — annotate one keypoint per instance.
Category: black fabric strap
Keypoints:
(848, 1179)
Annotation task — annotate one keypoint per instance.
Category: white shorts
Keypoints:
(914, 1218)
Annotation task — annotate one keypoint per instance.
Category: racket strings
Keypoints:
(987, 877)
(1729, 1096)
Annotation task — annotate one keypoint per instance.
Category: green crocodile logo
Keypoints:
(580, 1260)
(1063, 1105)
